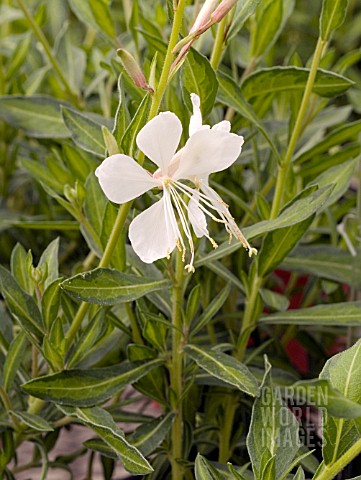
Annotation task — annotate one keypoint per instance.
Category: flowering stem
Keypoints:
(248, 324)
(284, 166)
(218, 44)
(176, 371)
(124, 209)
(164, 78)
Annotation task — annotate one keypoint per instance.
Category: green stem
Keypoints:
(124, 209)
(284, 166)
(231, 404)
(164, 78)
(218, 48)
(42, 39)
(328, 473)
(176, 371)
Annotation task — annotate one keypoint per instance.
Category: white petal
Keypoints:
(123, 179)
(195, 122)
(224, 125)
(153, 233)
(159, 139)
(197, 217)
(208, 151)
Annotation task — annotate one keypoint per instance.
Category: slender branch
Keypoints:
(284, 167)
(219, 44)
(124, 209)
(176, 371)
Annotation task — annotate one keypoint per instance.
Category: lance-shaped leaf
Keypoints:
(332, 16)
(337, 314)
(204, 470)
(105, 286)
(272, 440)
(268, 81)
(325, 261)
(198, 77)
(103, 424)
(13, 359)
(84, 388)
(343, 371)
(21, 305)
(278, 244)
(321, 393)
(230, 94)
(86, 133)
(150, 435)
(224, 367)
(38, 115)
(298, 210)
(33, 421)
(243, 11)
(128, 141)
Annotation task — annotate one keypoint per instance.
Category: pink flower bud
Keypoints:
(222, 10)
(204, 14)
(133, 70)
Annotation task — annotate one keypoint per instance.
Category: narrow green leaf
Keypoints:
(86, 133)
(268, 81)
(84, 388)
(340, 176)
(325, 261)
(21, 263)
(50, 303)
(13, 359)
(103, 17)
(211, 310)
(337, 314)
(96, 14)
(271, 423)
(301, 209)
(274, 300)
(336, 137)
(300, 474)
(49, 257)
(21, 305)
(230, 94)
(87, 339)
(150, 435)
(107, 287)
(243, 11)
(38, 115)
(344, 373)
(128, 143)
(33, 421)
(103, 424)
(199, 77)
(268, 22)
(321, 393)
(224, 367)
(204, 470)
(278, 244)
(332, 17)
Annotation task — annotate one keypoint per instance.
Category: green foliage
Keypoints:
(89, 333)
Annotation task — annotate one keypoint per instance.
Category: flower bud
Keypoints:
(133, 70)
(222, 10)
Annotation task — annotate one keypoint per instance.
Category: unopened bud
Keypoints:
(204, 14)
(222, 10)
(133, 70)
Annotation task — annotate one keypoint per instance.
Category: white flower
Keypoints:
(156, 232)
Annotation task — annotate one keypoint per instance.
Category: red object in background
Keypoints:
(296, 352)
